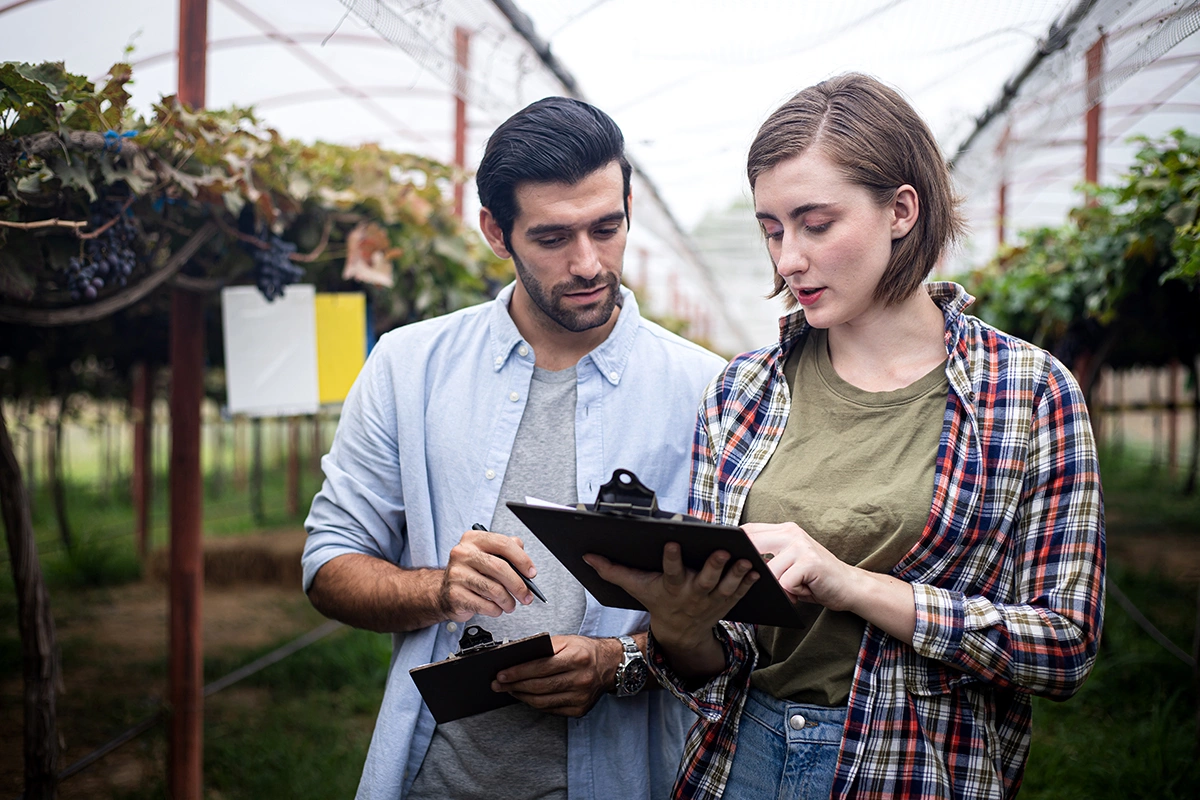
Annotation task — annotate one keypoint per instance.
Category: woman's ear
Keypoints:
(905, 208)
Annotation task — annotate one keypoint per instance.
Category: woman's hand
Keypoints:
(809, 572)
(684, 605)
(805, 569)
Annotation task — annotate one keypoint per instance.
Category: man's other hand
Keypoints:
(569, 682)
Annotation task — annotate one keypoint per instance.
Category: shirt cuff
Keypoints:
(940, 621)
(714, 698)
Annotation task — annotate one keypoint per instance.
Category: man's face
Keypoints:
(567, 244)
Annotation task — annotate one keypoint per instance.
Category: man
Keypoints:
(542, 392)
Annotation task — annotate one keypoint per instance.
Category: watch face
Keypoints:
(633, 676)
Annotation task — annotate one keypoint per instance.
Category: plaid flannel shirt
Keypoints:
(1008, 574)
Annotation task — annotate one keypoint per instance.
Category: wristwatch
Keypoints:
(632, 671)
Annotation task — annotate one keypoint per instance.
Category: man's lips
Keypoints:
(587, 295)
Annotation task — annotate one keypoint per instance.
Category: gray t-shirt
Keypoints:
(517, 752)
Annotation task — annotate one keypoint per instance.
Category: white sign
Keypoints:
(270, 351)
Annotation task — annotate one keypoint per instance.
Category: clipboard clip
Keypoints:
(475, 639)
(625, 495)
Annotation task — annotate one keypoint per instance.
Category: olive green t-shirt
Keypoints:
(855, 469)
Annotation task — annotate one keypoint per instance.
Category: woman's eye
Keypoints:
(824, 226)
(772, 232)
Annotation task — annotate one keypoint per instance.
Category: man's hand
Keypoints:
(476, 579)
(569, 682)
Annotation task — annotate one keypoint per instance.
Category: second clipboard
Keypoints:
(637, 542)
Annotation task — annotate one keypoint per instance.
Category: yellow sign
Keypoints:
(341, 343)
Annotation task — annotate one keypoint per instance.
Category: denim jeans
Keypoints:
(785, 751)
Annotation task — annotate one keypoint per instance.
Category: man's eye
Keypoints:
(552, 241)
(606, 232)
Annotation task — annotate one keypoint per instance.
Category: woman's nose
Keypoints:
(792, 258)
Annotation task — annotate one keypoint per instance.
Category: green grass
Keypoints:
(299, 729)
(1131, 730)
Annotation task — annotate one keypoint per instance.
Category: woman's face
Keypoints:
(828, 238)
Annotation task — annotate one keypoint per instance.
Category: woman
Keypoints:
(926, 486)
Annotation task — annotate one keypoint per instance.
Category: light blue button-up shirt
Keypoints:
(420, 455)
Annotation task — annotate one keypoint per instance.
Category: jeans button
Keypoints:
(796, 722)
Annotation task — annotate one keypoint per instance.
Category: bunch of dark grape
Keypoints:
(273, 270)
(107, 260)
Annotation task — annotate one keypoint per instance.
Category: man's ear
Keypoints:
(629, 209)
(493, 234)
(905, 210)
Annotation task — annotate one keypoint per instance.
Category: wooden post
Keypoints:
(293, 467)
(1002, 194)
(1095, 71)
(1173, 419)
(256, 470)
(40, 664)
(239, 452)
(462, 43)
(318, 446)
(185, 773)
(141, 486)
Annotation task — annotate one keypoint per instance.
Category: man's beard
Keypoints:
(550, 302)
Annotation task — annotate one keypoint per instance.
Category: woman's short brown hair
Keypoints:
(871, 132)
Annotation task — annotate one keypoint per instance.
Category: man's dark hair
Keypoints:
(555, 140)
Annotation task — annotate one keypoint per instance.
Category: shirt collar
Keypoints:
(610, 357)
(950, 297)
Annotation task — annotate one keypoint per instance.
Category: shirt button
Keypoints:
(452, 626)
(491, 473)
(499, 361)
(514, 396)
(612, 376)
(796, 722)
(523, 350)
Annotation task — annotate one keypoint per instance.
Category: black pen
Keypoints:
(528, 583)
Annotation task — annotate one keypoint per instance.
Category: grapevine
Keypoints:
(273, 268)
(109, 259)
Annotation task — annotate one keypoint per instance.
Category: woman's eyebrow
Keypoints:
(798, 211)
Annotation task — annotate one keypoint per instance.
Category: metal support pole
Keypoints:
(1095, 71)
(186, 660)
(462, 43)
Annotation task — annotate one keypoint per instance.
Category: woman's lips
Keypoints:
(807, 297)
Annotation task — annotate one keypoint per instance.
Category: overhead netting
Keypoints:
(1023, 164)
(507, 67)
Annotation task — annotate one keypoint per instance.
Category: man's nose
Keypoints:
(585, 261)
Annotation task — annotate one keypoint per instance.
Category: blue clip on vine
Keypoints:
(112, 139)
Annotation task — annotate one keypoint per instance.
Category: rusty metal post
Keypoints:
(1095, 71)
(185, 777)
(462, 43)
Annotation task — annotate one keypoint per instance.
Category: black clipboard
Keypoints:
(461, 686)
(626, 526)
